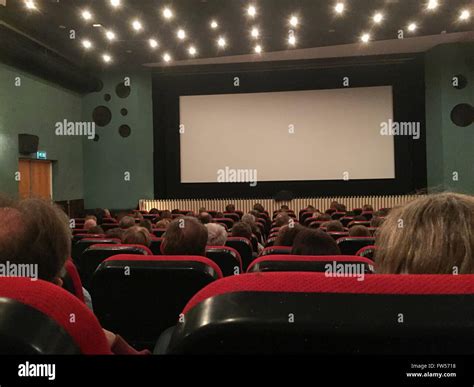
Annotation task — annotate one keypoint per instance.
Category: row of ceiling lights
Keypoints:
(251, 11)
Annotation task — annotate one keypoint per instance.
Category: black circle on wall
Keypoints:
(124, 112)
(125, 131)
(461, 81)
(97, 85)
(96, 138)
(122, 91)
(101, 115)
(107, 97)
(462, 115)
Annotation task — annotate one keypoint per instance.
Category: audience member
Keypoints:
(314, 242)
(89, 223)
(286, 234)
(205, 217)
(146, 224)
(185, 236)
(243, 230)
(97, 230)
(126, 222)
(216, 234)
(137, 235)
(333, 226)
(230, 208)
(359, 231)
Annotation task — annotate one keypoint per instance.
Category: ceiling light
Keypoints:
(412, 27)
(167, 57)
(221, 42)
(252, 11)
(181, 34)
(378, 17)
(214, 24)
(153, 43)
(255, 32)
(97, 25)
(464, 15)
(87, 44)
(365, 38)
(137, 25)
(86, 15)
(167, 13)
(115, 3)
(30, 4)
(339, 8)
(292, 40)
(258, 49)
(294, 21)
(110, 35)
(192, 51)
(432, 4)
(106, 58)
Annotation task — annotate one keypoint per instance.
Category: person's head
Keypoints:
(430, 235)
(185, 236)
(314, 242)
(258, 207)
(163, 224)
(230, 208)
(137, 235)
(340, 207)
(334, 226)
(35, 232)
(95, 230)
(115, 233)
(376, 221)
(367, 208)
(126, 222)
(334, 204)
(154, 211)
(205, 217)
(323, 218)
(138, 215)
(107, 213)
(90, 217)
(284, 207)
(281, 219)
(216, 234)
(166, 215)
(360, 218)
(286, 234)
(219, 215)
(146, 224)
(89, 223)
(359, 231)
(241, 229)
(202, 209)
(310, 208)
(249, 219)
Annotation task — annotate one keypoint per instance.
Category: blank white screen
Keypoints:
(334, 132)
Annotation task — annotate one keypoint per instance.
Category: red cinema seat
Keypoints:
(94, 255)
(139, 297)
(351, 245)
(296, 313)
(228, 223)
(337, 234)
(337, 215)
(276, 250)
(232, 215)
(155, 245)
(227, 258)
(40, 318)
(244, 248)
(367, 252)
(348, 264)
(81, 245)
(72, 281)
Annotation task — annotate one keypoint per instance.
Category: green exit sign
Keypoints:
(41, 155)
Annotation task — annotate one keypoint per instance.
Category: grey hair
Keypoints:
(216, 234)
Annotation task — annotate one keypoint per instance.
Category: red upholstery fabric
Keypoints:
(76, 319)
(76, 280)
(364, 249)
(312, 258)
(295, 282)
(125, 257)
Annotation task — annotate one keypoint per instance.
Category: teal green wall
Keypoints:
(106, 161)
(34, 108)
(449, 148)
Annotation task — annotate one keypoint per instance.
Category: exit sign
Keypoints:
(41, 155)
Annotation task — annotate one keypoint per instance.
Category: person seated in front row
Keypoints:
(314, 242)
(216, 234)
(359, 231)
(429, 235)
(37, 232)
(185, 236)
(286, 235)
(137, 235)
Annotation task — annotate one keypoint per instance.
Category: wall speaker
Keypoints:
(27, 144)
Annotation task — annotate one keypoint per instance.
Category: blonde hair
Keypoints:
(430, 235)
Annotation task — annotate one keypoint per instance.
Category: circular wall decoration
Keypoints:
(107, 97)
(459, 81)
(96, 138)
(125, 131)
(101, 116)
(98, 85)
(122, 91)
(462, 115)
(124, 112)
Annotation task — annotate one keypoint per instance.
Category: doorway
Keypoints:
(36, 179)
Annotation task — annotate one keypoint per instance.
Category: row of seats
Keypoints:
(269, 312)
